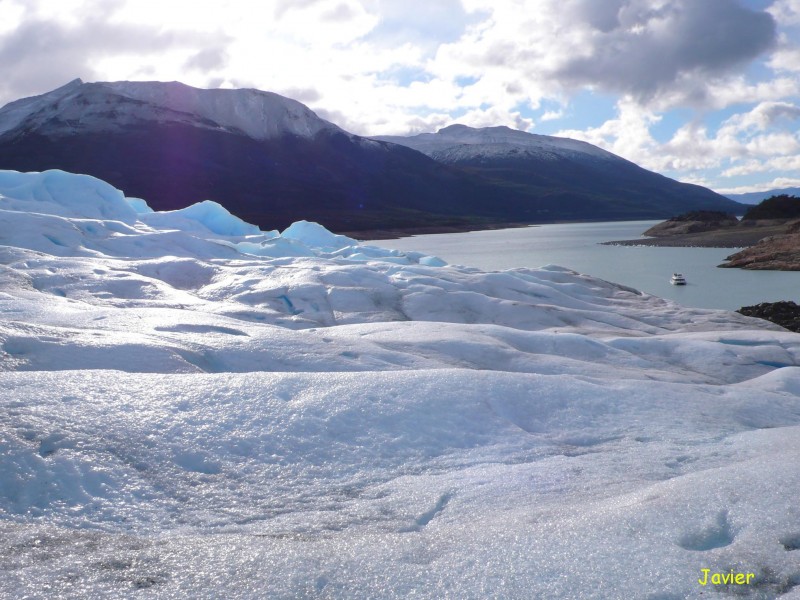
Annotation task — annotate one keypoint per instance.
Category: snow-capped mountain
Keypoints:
(271, 158)
(571, 177)
(194, 408)
(458, 143)
(80, 107)
(274, 161)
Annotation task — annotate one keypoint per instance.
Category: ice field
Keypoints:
(193, 408)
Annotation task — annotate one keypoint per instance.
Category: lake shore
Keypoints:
(404, 232)
(739, 237)
(578, 247)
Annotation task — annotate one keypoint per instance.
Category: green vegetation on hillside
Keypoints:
(776, 207)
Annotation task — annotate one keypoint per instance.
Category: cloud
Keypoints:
(208, 59)
(492, 117)
(628, 135)
(40, 55)
(320, 24)
(750, 167)
(553, 115)
(326, 10)
(603, 16)
(720, 93)
(340, 13)
(750, 143)
(424, 22)
(11, 15)
(765, 115)
(786, 58)
(786, 11)
(659, 53)
(653, 44)
(776, 184)
(304, 95)
(283, 6)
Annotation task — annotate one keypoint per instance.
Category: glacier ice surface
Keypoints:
(195, 408)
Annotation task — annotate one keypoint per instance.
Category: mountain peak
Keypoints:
(69, 86)
(108, 106)
(459, 128)
(461, 142)
(455, 128)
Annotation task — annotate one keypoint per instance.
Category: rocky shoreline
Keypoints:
(739, 238)
(785, 313)
(766, 243)
(400, 232)
(778, 253)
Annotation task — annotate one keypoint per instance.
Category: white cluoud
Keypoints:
(194, 408)
(103, 106)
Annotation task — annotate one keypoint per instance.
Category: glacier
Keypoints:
(192, 407)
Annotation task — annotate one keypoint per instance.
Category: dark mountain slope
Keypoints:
(343, 182)
(271, 161)
(578, 178)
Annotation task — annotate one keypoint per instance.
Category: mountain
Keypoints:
(571, 179)
(98, 107)
(272, 161)
(756, 197)
(459, 143)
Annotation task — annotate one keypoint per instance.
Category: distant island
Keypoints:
(769, 233)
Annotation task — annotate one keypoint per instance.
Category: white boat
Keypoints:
(677, 279)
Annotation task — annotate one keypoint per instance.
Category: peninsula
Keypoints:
(768, 234)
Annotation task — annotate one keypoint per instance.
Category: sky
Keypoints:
(704, 91)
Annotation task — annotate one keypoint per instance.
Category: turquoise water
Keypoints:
(577, 246)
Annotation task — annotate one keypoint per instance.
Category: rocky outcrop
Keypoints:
(707, 229)
(769, 236)
(785, 313)
(776, 253)
(693, 222)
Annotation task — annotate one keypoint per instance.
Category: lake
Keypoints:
(578, 246)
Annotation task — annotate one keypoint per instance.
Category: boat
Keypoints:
(677, 279)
